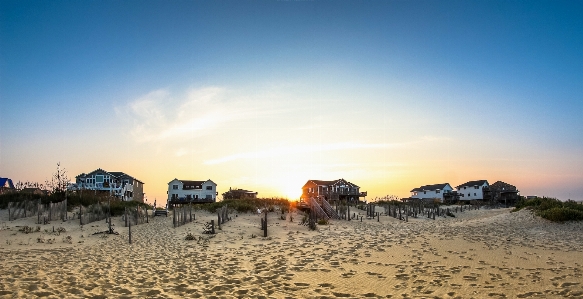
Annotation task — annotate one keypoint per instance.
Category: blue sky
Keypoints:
(265, 95)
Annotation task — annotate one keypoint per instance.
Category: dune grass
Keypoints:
(552, 208)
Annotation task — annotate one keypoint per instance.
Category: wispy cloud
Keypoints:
(158, 116)
(161, 115)
(293, 150)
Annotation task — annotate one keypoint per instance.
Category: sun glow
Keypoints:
(290, 186)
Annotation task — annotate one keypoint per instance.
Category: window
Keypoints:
(209, 187)
(476, 187)
(437, 191)
(175, 187)
(464, 188)
(208, 196)
(424, 192)
(99, 178)
(469, 194)
(474, 194)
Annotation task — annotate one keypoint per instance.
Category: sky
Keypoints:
(266, 95)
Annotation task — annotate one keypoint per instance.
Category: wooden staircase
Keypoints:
(324, 209)
(320, 213)
(329, 210)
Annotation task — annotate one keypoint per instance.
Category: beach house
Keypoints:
(502, 192)
(192, 191)
(6, 185)
(332, 190)
(239, 194)
(118, 184)
(435, 191)
(472, 190)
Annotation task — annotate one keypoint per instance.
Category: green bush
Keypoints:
(560, 214)
(552, 208)
(247, 204)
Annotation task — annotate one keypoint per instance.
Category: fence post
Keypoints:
(348, 212)
(65, 210)
(174, 215)
(212, 227)
(265, 231)
(130, 231)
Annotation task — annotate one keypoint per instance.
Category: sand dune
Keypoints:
(477, 254)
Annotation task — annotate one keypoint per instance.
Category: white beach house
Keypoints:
(197, 191)
(472, 190)
(432, 191)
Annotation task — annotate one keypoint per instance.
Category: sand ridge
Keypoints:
(477, 254)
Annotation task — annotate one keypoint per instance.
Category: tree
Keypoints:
(59, 181)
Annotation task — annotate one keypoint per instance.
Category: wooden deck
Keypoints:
(194, 201)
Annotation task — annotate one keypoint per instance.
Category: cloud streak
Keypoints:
(294, 150)
(158, 116)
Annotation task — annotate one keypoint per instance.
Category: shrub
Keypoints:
(247, 204)
(561, 214)
(323, 222)
(552, 208)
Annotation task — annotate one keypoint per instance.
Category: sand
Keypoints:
(477, 254)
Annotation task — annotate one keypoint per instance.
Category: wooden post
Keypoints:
(219, 219)
(348, 211)
(265, 223)
(130, 231)
(378, 217)
(174, 215)
(212, 227)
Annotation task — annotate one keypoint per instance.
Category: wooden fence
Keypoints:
(136, 216)
(45, 213)
(52, 211)
(93, 213)
(182, 214)
(22, 209)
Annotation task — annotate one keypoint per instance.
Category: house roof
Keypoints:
(473, 183)
(241, 191)
(331, 183)
(431, 187)
(32, 190)
(192, 183)
(115, 174)
(3, 182)
(503, 187)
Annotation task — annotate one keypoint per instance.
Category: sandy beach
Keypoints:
(477, 254)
